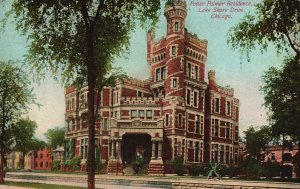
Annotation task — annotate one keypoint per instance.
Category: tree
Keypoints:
(257, 140)
(80, 39)
(275, 21)
(15, 96)
(55, 137)
(282, 98)
(23, 133)
(37, 144)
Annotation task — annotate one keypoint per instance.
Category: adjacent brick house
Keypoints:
(173, 113)
(42, 159)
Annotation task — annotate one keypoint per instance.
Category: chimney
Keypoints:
(211, 79)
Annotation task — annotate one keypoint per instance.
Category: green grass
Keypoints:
(40, 185)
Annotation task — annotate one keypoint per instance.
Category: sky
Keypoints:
(231, 67)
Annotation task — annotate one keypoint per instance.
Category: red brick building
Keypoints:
(173, 113)
(42, 159)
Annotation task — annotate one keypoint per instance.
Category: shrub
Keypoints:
(271, 169)
(287, 171)
(178, 165)
(137, 164)
(196, 170)
(213, 170)
(56, 165)
(230, 171)
(73, 163)
(252, 168)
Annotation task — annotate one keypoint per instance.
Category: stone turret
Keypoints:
(150, 42)
(175, 14)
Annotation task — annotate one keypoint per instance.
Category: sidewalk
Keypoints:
(118, 181)
(12, 187)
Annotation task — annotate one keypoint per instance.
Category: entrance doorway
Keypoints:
(134, 145)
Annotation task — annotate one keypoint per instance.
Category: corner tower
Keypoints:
(175, 14)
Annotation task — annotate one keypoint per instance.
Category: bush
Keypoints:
(213, 170)
(271, 169)
(287, 171)
(178, 165)
(196, 170)
(230, 171)
(56, 165)
(252, 168)
(73, 164)
(137, 164)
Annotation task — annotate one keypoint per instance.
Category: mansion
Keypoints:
(173, 113)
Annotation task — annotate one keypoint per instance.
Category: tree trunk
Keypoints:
(1, 144)
(91, 68)
(2, 174)
(282, 151)
(22, 165)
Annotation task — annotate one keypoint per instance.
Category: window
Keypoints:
(222, 154)
(84, 148)
(228, 108)
(105, 124)
(227, 133)
(163, 72)
(197, 123)
(46, 164)
(116, 97)
(158, 76)
(216, 157)
(174, 83)
(139, 94)
(176, 26)
(133, 114)
(167, 119)
(173, 50)
(180, 120)
(217, 105)
(189, 70)
(273, 156)
(41, 156)
(196, 73)
(70, 125)
(201, 127)
(142, 114)
(195, 99)
(227, 155)
(73, 103)
(191, 144)
(196, 151)
(188, 97)
(149, 114)
(179, 148)
(41, 164)
(216, 134)
(68, 104)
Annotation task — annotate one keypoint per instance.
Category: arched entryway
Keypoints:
(136, 144)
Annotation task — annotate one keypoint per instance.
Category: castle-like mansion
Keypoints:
(173, 113)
